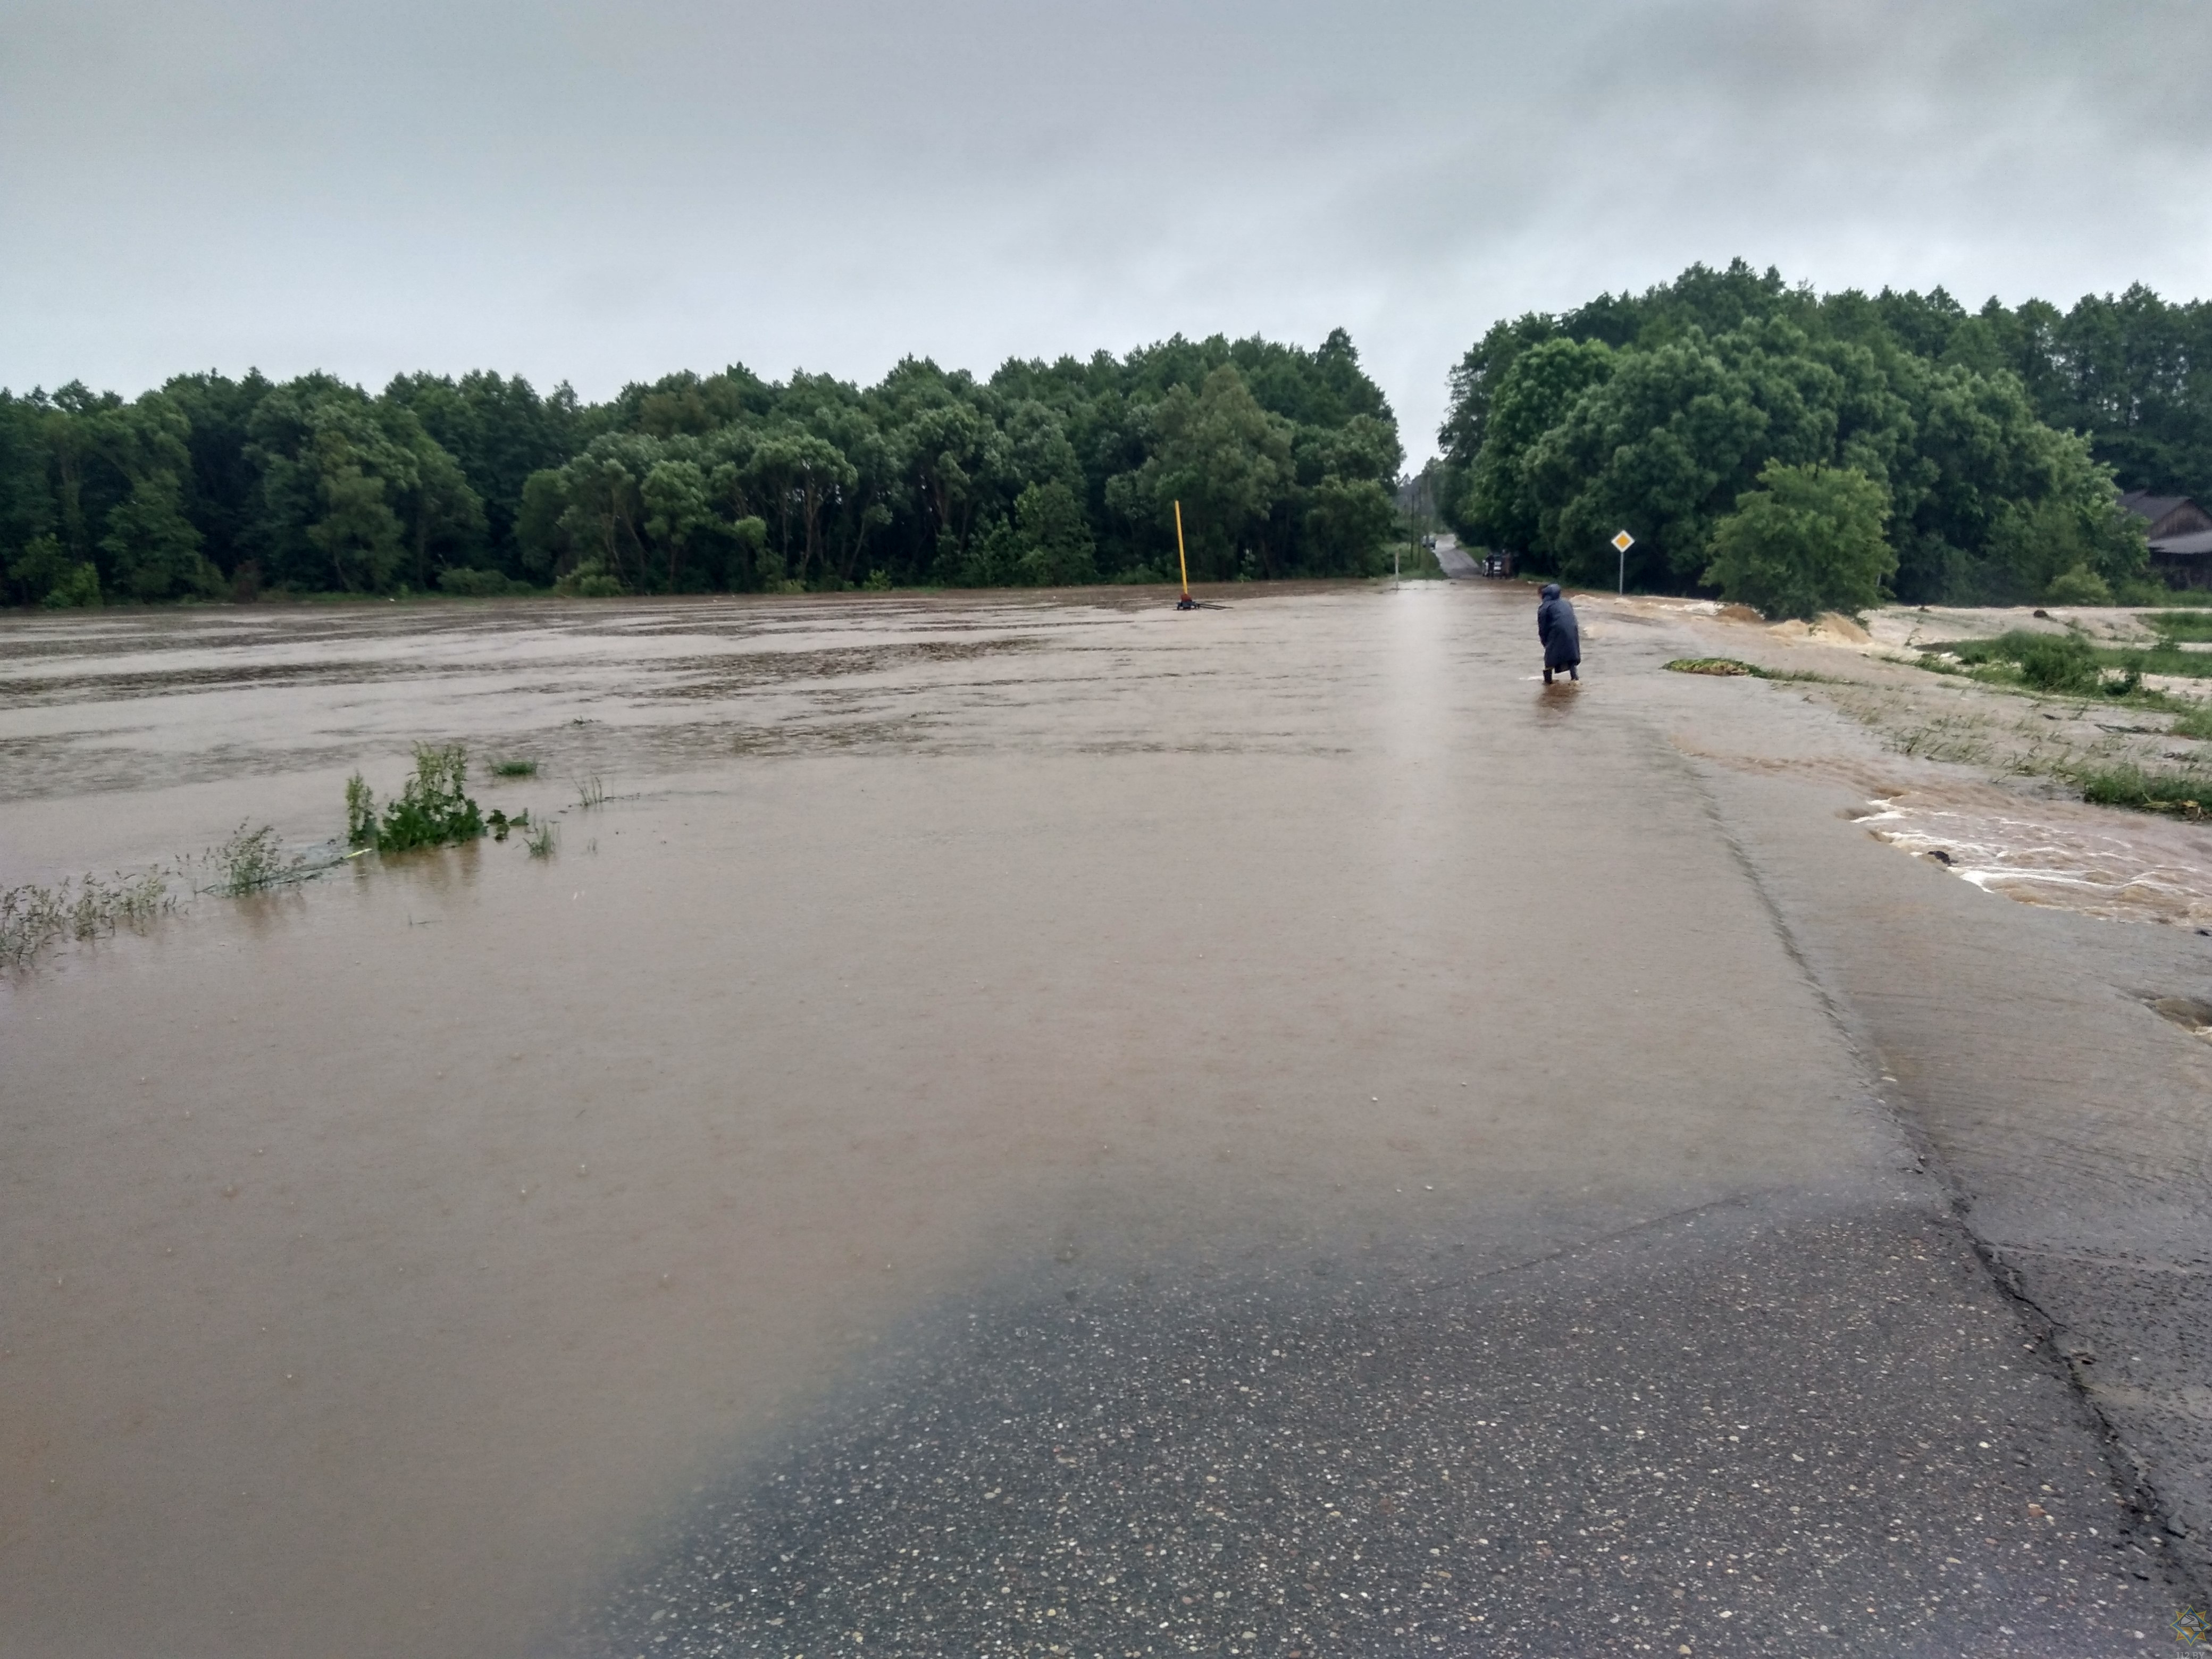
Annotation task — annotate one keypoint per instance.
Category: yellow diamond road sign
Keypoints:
(1624, 541)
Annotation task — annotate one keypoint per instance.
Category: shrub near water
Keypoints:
(2056, 662)
(1809, 540)
(433, 809)
(2078, 585)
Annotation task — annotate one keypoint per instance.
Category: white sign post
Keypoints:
(1622, 541)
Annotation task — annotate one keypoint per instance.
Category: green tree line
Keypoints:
(1284, 459)
(1739, 426)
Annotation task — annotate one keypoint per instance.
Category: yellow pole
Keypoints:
(1180, 559)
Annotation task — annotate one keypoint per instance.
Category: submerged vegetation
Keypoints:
(32, 917)
(2072, 663)
(252, 860)
(434, 808)
(2188, 793)
(513, 768)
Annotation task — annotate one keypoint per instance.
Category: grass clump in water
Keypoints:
(29, 917)
(2186, 794)
(2043, 662)
(434, 808)
(33, 917)
(541, 840)
(1724, 666)
(251, 860)
(512, 768)
(2068, 665)
(591, 792)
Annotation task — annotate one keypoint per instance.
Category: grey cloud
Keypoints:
(601, 192)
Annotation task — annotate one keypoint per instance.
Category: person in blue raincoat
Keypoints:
(1560, 634)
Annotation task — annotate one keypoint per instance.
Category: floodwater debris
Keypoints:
(1724, 667)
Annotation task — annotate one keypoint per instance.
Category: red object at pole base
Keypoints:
(1186, 603)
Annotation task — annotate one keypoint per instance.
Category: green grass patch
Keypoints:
(2068, 664)
(2187, 794)
(1724, 667)
(2196, 722)
(2180, 624)
(514, 768)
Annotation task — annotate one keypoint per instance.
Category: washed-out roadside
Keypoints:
(2048, 1053)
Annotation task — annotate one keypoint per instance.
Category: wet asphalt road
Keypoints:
(1796, 1421)
(1752, 1430)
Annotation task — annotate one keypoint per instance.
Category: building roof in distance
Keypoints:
(2196, 544)
(2144, 505)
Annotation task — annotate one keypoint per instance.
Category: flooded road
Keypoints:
(1017, 1126)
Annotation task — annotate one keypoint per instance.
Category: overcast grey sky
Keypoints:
(603, 193)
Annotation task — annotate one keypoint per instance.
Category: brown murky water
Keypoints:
(2056, 854)
(387, 1256)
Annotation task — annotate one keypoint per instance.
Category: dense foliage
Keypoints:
(1282, 458)
(1809, 539)
(1995, 438)
(434, 807)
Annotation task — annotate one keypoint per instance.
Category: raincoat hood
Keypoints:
(1551, 591)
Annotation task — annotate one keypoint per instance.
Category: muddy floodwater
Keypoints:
(1053, 1125)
